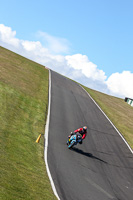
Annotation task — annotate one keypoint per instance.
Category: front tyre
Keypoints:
(71, 145)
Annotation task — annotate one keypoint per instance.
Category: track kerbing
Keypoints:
(46, 140)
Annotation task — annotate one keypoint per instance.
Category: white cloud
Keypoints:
(121, 84)
(31, 46)
(54, 44)
(89, 69)
(7, 36)
(77, 67)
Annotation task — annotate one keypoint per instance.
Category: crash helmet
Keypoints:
(85, 128)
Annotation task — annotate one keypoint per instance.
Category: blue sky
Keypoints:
(102, 30)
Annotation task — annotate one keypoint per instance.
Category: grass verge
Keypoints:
(23, 106)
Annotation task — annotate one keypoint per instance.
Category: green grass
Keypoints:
(23, 111)
(118, 111)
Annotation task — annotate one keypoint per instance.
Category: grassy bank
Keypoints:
(23, 106)
(118, 111)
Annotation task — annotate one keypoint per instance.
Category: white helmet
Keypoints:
(85, 128)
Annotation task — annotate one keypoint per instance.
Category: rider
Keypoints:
(80, 133)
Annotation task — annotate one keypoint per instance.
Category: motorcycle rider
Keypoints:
(80, 133)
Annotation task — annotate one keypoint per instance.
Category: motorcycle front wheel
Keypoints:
(71, 145)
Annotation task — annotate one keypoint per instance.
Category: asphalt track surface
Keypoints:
(99, 169)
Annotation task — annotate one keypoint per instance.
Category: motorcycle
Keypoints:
(73, 140)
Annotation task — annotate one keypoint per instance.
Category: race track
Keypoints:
(99, 169)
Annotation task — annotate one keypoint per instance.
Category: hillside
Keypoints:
(23, 106)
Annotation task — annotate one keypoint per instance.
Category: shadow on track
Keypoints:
(90, 155)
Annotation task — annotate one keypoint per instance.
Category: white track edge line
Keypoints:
(108, 120)
(46, 140)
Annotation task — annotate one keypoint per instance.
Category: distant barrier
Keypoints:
(129, 101)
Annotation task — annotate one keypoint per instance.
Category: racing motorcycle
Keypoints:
(73, 140)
